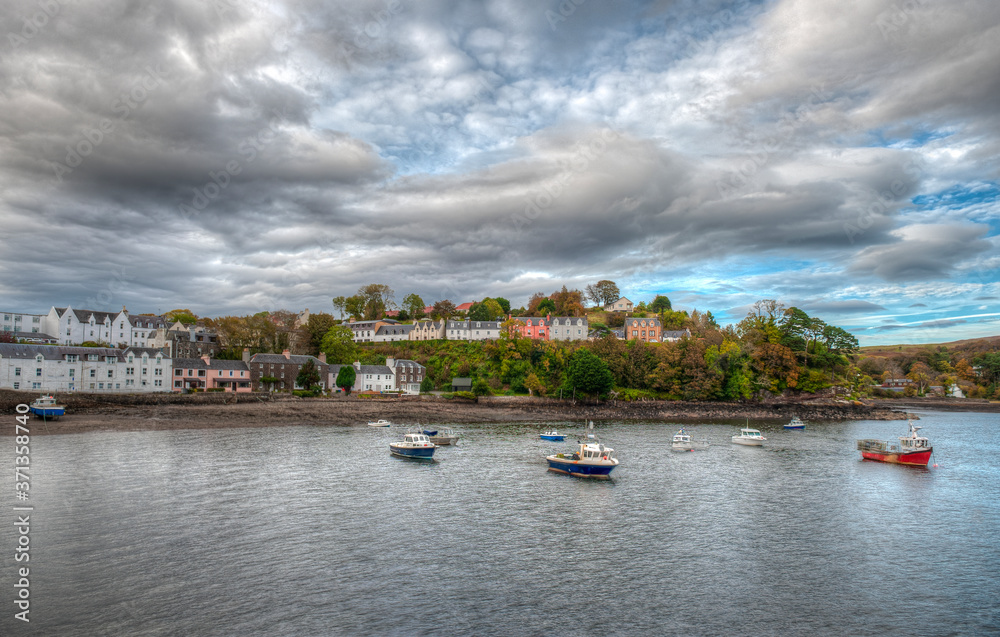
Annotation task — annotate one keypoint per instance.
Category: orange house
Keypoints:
(643, 329)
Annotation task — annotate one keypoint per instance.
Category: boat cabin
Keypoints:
(913, 442)
(595, 452)
(417, 438)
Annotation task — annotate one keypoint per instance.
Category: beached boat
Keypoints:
(795, 423)
(682, 441)
(749, 437)
(381, 422)
(443, 437)
(46, 407)
(413, 445)
(591, 460)
(912, 449)
(552, 435)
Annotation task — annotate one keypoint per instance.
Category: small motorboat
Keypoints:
(912, 449)
(413, 445)
(591, 459)
(682, 441)
(552, 435)
(749, 437)
(46, 407)
(795, 423)
(444, 437)
(381, 422)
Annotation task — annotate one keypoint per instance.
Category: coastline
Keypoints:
(90, 413)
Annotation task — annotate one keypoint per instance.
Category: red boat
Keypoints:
(912, 449)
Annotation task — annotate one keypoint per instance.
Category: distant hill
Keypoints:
(970, 346)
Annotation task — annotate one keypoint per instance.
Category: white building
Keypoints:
(72, 327)
(396, 375)
(22, 324)
(569, 328)
(397, 332)
(469, 330)
(56, 368)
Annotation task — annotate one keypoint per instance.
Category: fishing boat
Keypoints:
(413, 445)
(46, 407)
(795, 423)
(749, 437)
(682, 441)
(444, 437)
(552, 435)
(381, 422)
(913, 450)
(591, 460)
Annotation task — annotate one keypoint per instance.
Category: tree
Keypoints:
(345, 378)
(545, 306)
(568, 302)
(494, 309)
(534, 385)
(339, 346)
(185, 316)
(920, 374)
(533, 302)
(340, 304)
(316, 327)
(660, 304)
(511, 330)
(479, 312)
(443, 310)
(480, 387)
(839, 340)
(269, 382)
(414, 305)
(588, 374)
(504, 305)
(308, 375)
(426, 385)
(7, 337)
(355, 306)
(376, 299)
(603, 292)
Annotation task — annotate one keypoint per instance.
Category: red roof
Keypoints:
(392, 313)
(464, 307)
(428, 309)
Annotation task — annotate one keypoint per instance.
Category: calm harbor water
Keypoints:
(318, 531)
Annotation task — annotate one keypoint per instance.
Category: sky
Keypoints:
(237, 156)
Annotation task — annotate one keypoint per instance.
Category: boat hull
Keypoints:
(422, 453)
(748, 442)
(913, 458)
(48, 412)
(580, 469)
(688, 446)
(444, 440)
(556, 438)
(795, 426)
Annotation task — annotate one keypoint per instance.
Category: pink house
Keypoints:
(206, 374)
(535, 327)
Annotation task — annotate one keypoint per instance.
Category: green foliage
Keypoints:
(504, 305)
(414, 305)
(603, 292)
(306, 393)
(660, 304)
(339, 346)
(346, 378)
(267, 383)
(813, 381)
(588, 374)
(308, 375)
(426, 385)
(480, 388)
(545, 306)
(467, 395)
(317, 327)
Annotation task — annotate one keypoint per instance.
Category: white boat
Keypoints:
(442, 437)
(749, 437)
(381, 422)
(682, 441)
(46, 407)
(413, 445)
(590, 460)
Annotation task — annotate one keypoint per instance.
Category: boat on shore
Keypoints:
(413, 445)
(913, 450)
(749, 437)
(795, 423)
(442, 437)
(381, 422)
(552, 435)
(46, 407)
(682, 441)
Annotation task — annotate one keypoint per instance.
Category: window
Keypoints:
(92, 357)
(230, 372)
(101, 385)
(36, 385)
(93, 373)
(17, 385)
(38, 371)
(177, 383)
(201, 372)
(72, 358)
(111, 373)
(72, 373)
(157, 372)
(17, 371)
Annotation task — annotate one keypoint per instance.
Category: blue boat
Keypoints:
(414, 445)
(46, 407)
(552, 435)
(795, 423)
(591, 460)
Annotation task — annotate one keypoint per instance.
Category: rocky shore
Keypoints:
(87, 413)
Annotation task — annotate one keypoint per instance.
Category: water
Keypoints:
(319, 531)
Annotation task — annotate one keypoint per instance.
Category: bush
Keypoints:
(480, 388)
(304, 393)
(467, 395)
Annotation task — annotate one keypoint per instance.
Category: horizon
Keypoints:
(232, 158)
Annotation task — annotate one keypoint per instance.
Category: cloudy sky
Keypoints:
(232, 156)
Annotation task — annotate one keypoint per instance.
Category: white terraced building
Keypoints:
(468, 330)
(59, 368)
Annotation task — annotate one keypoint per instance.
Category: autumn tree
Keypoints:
(443, 310)
(185, 316)
(545, 306)
(568, 302)
(533, 302)
(921, 374)
(376, 299)
(603, 292)
(414, 306)
(534, 384)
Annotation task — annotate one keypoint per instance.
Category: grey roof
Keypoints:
(217, 363)
(279, 359)
(562, 320)
(634, 321)
(35, 335)
(55, 352)
(405, 362)
(84, 315)
(375, 369)
(461, 381)
(149, 351)
(394, 329)
(144, 321)
(535, 320)
(675, 333)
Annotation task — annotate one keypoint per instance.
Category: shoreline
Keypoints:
(87, 413)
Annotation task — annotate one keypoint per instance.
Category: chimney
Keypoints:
(207, 358)
(390, 363)
(287, 354)
(246, 354)
(357, 365)
(322, 357)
